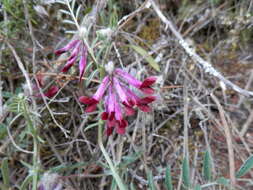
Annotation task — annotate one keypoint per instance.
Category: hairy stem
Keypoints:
(107, 157)
(33, 131)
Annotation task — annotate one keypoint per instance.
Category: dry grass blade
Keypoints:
(228, 136)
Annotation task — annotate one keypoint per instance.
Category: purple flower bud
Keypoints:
(76, 48)
(82, 63)
(66, 48)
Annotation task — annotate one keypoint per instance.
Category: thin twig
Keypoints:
(21, 67)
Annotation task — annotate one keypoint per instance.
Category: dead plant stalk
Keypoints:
(228, 140)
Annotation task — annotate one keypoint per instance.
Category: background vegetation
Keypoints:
(199, 134)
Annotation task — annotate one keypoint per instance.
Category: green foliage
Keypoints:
(146, 56)
(26, 182)
(215, 2)
(151, 184)
(110, 18)
(247, 165)
(3, 131)
(15, 20)
(132, 187)
(197, 187)
(126, 160)
(168, 180)
(18, 104)
(5, 172)
(67, 167)
(207, 166)
(223, 181)
(186, 173)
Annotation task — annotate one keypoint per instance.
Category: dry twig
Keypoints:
(208, 68)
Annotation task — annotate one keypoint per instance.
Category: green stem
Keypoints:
(35, 163)
(109, 161)
(33, 131)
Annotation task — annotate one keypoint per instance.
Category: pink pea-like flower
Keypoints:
(76, 48)
(119, 99)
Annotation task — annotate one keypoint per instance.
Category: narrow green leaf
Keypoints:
(223, 181)
(146, 56)
(168, 180)
(151, 184)
(207, 166)
(78, 11)
(197, 187)
(5, 172)
(65, 21)
(113, 185)
(91, 76)
(247, 165)
(73, 4)
(3, 131)
(132, 187)
(3, 187)
(65, 12)
(26, 182)
(126, 160)
(186, 173)
(68, 167)
(29, 166)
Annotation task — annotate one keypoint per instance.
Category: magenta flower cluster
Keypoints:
(119, 100)
(76, 47)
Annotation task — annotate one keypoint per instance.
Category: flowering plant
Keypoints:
(119, 99)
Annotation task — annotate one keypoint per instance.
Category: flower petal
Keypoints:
(148, 81)
(69, 46)
(118, 113)
(87, 100)
(144, 108)
(123, 123)
(52, 91)
(147, 100)
(121, 130)
(129, 111)
(120, 91)
(147, 90)
(132, 97)
(75, 51)
(104, 116)
(91, 108)
(82, 63)
(69, 64)
(101, 89)
(109, 130)
(111, 100)
(129, 78)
